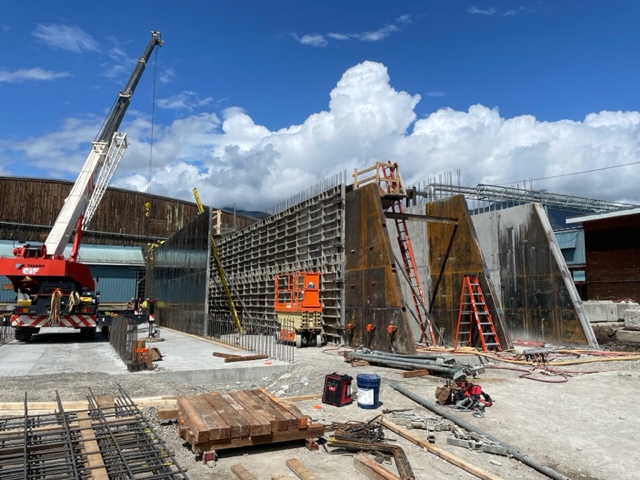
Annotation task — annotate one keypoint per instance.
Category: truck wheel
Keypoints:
(319, 340)
(298, 340)
(87, 333)
(23, 334)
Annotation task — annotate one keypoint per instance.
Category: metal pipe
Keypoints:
(517, 454)
(407, 364)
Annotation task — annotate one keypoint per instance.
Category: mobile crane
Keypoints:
(53, 291)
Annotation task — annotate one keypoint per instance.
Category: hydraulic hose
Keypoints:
(517, 454)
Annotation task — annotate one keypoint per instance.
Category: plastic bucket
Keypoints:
(368, 390)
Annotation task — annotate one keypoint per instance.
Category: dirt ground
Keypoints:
(580, 420)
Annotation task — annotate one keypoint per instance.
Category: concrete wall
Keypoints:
(533, 283)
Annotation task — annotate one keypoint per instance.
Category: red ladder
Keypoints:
(408, 258)
(474, 319)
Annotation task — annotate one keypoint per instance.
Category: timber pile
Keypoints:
(242, 418)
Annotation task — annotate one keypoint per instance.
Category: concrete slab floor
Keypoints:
(186, 358)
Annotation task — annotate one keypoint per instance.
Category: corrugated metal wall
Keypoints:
(116, 284)
(30, 206)
(178, 277)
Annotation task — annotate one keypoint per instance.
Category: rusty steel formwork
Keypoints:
(373, 297)
(111, 439)
(453, 252)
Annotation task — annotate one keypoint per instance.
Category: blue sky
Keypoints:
(255, 101)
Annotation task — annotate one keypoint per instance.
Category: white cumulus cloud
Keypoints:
(232, 159)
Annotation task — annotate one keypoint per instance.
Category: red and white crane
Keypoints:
(53, 291)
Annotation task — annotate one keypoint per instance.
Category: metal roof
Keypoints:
(602, 216)
(92, 254)
(571, 242)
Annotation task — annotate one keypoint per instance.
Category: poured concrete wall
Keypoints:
(534, 285)
(454, 251)
(373, 295)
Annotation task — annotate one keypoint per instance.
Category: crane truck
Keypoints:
(54, 291)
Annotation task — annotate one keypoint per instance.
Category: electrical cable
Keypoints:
(153, 120)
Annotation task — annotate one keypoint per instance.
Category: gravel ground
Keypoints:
(583, 427)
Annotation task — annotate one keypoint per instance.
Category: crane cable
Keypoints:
(153, 117)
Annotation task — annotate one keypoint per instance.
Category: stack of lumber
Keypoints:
(241, 418)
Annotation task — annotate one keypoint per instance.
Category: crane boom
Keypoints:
(85, 185)
(53, 291)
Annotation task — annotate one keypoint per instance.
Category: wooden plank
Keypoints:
(477, 471)
(245, 358)
(314, 430)
(300, 470)
(242, 473)
(201, 419)
(264, 421)
(225, 355)
(218, 425)
(238, 426)
(249, 403)
(303, 420)
(371, 469)
(256, 428)
(190, 419)
(290, 417)
(281, 422)
(95, 462)
(168, 413)
(423, 372)
(105, 401)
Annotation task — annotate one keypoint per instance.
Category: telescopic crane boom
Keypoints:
(107, 141)
(53, 291)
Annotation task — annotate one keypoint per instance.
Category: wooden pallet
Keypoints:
(241, 418)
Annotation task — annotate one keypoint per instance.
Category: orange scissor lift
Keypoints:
(298, 308)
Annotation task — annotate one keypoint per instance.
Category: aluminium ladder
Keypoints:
(408, 258)
(475, 325)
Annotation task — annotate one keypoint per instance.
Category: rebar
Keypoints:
(107, 441)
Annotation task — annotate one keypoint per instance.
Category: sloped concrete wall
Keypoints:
(534, 286)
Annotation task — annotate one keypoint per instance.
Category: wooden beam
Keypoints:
(242, 473)
(421, 218)
(94, 462)
(457, 461)
(245, 358)
(168, 413)
(371, 469)
(300, 470)
(423, 372)
(314, 430)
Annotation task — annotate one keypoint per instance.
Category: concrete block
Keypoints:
(628, 336)
(604, 311)
(623, 307)
(632, 318)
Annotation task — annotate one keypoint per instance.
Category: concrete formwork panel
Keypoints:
(537, 294)
(454, 251)
(308, 236)
(372, 287)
